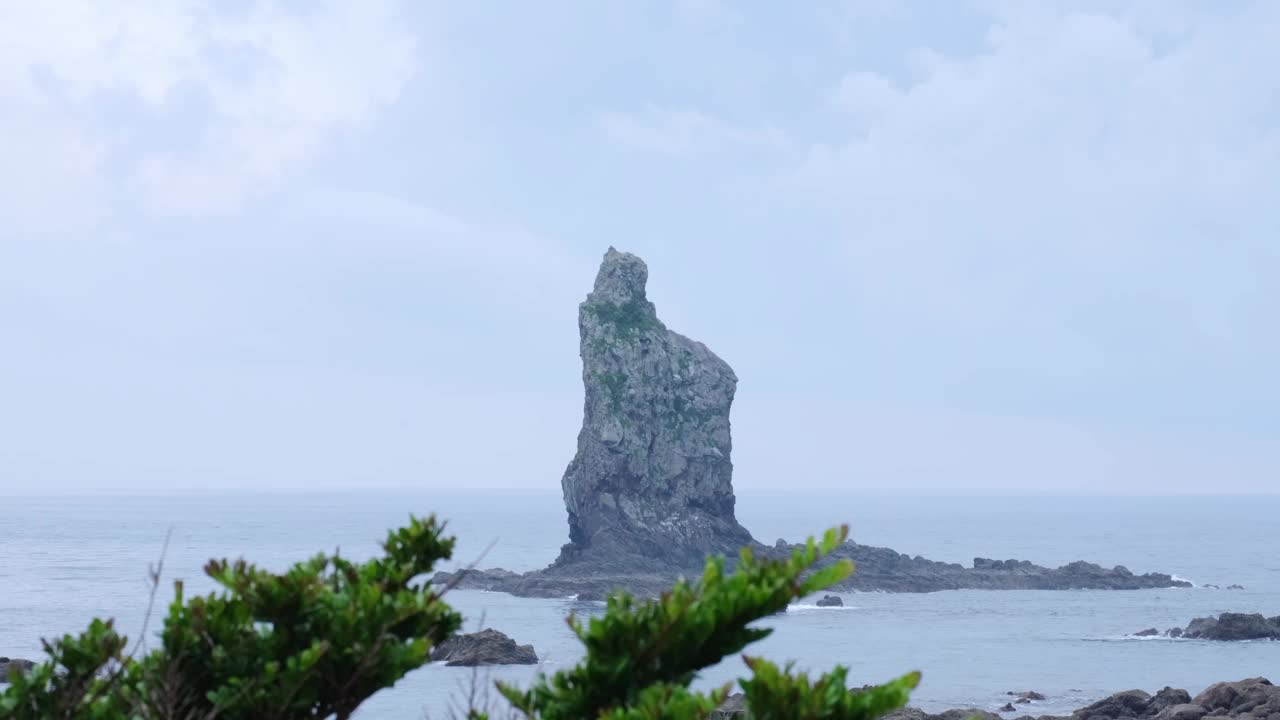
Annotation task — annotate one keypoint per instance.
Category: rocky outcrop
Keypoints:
(1234, 626)
(1226, 627)
(1252, 699)
(649, 491)
(885, 569)
(487, 647)
(650, 485)
(13, 665)
(830, 601)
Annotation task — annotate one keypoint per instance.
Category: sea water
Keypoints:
(67, 559)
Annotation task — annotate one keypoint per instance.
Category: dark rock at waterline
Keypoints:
(1234, 626)
(1026, 695)
(14, 665)
(1251, 699)
(649, 491)
(1174, 632)
(1149, 632)
(957, 714)
(1127, 704)
(830, 601)
(1235, 587)
(487, 647)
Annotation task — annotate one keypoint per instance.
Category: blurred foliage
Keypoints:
(319, 639)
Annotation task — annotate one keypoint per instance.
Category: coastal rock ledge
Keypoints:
(1251, 699)
(649, 492)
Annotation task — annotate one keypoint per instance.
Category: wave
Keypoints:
(806, 607)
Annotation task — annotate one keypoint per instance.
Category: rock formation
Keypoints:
(651, 480)
(1230, 626)
(1251, 699)
(487, 647)
(649, 492)
(13, 665)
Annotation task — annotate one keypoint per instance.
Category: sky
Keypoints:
(954, 248)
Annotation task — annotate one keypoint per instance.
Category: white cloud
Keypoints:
(1079, 160)
(680, 131)
(222, 102)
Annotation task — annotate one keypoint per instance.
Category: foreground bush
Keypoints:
(318, 640)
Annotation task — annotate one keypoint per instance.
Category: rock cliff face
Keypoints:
(651, 479)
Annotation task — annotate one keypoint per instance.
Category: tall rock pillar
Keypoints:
(651, 484)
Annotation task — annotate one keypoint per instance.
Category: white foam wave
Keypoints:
(806, 607)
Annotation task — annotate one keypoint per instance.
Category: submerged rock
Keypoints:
(487, 647)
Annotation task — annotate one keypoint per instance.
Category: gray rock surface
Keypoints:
(1127, 704)
(830, 601)
(649, 491)
(487, 647)
(1186, 711)
(1251, 699)
(1167, 698)
(733, 707)
(652, 478)
(1233, 626)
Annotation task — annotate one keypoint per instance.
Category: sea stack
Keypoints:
(650, 486)
(649, 493)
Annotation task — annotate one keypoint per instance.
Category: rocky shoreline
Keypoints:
(1250, 699)
(878, 569)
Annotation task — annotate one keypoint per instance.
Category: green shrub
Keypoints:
(318, 640)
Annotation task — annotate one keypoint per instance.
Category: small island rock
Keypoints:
(487, 647)
(14, 665)
(1233, 626)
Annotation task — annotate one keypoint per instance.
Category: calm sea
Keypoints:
(64, 560)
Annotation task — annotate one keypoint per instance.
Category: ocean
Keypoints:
(67, 559)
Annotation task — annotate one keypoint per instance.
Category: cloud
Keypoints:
(1066, 191)
(706, 14)
(683, 131)
(184, 107)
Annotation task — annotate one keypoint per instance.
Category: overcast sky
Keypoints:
(947, 247)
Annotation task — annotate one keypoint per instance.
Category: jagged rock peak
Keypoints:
(621, 279)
